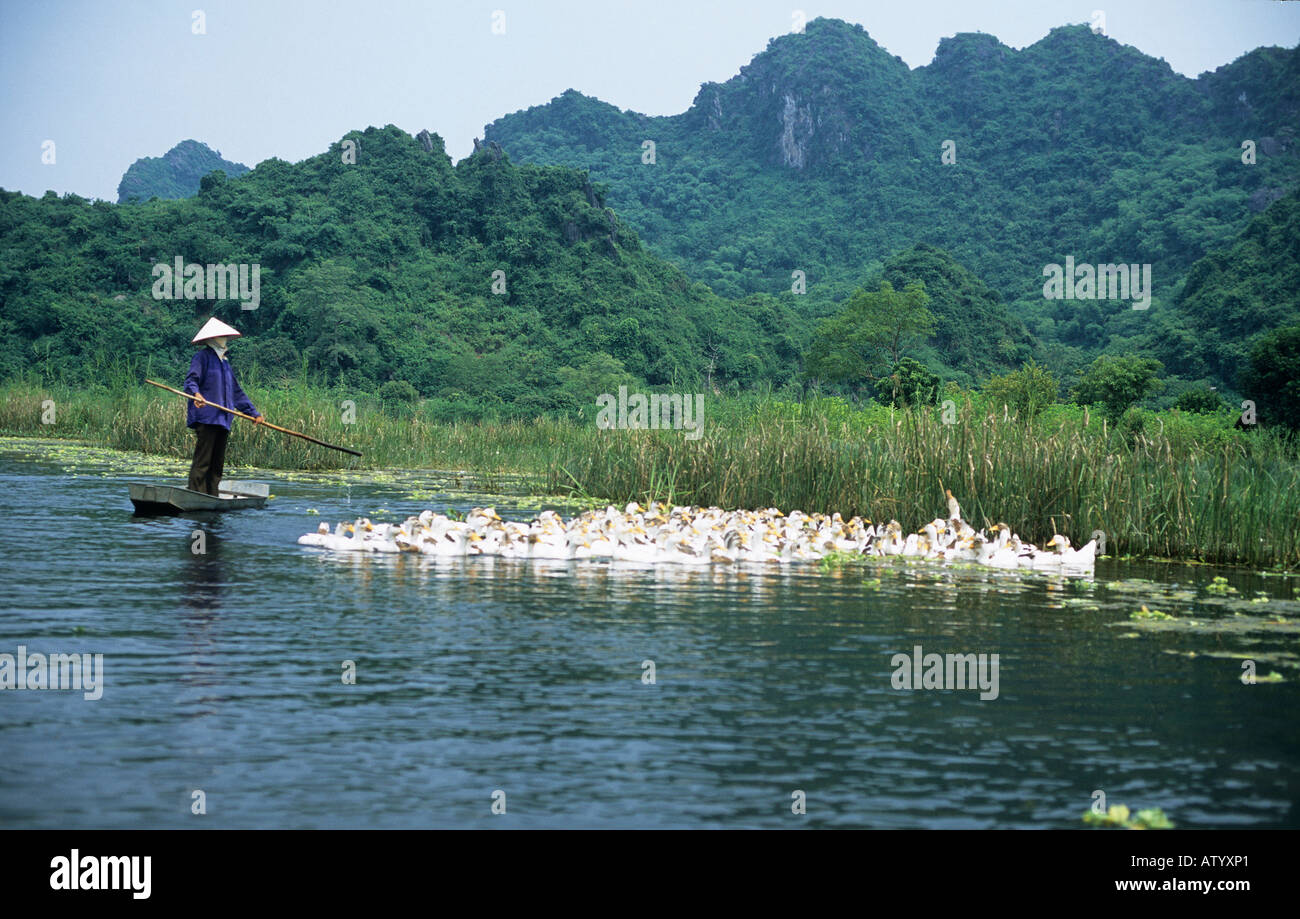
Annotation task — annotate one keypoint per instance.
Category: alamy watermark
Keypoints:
(75, 871)
(655, 411)
(76, 671)
(946, 671)
(1100, 282)
(241, 282)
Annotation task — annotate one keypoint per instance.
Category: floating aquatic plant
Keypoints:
(1220, 585)
(1118, 815)
(837, 558)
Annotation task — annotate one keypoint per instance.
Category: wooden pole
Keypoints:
(251, 418)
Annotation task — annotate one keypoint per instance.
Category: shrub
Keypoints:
(398, 397)
(1199, 401)
(1025, 391)
(1116, 383)
(910, 383)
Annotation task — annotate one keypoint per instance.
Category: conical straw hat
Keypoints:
(214, 328)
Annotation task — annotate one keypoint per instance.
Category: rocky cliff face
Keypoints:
(811, 99)
(797, 131)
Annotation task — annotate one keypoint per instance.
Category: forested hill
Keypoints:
(1235, 293)
(175, 174)
(383, 270)
(495, 285)
(824, 155)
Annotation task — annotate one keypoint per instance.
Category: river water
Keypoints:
(525, 683)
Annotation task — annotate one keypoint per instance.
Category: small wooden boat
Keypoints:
(171, 499)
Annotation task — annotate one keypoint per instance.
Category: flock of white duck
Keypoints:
(699, 536)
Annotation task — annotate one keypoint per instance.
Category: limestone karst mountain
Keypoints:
(175, 174)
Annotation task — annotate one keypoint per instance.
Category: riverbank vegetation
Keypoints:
(1173, 484)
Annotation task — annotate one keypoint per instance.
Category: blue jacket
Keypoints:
(215, 379)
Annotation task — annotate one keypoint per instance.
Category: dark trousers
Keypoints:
(209, 457)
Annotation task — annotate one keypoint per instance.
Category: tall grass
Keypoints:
(140, 418)
(1163, 485)
(1163, 493)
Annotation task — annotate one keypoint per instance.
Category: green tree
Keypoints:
(1026, 391)
(1272, 377)
(912, 383)
(1117, 382)
(600, 373)
(1200, 400)
(865, 341)
(398, 397)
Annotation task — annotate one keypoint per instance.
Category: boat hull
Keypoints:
(171, 499)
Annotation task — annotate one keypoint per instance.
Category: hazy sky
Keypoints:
(110, 81)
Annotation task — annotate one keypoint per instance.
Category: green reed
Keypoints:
(1167, 486)
(1153, 493)
(146, 420)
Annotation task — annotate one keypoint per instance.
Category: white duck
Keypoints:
(1083, 557)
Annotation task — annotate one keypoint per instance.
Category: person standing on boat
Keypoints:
(212, 378)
